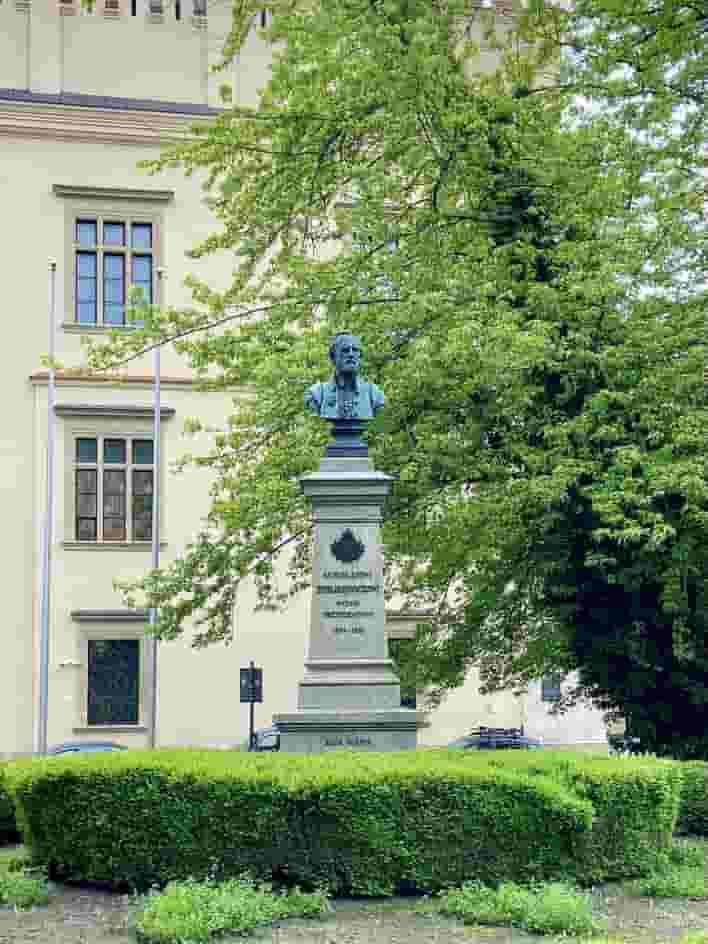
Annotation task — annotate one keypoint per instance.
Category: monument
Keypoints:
(350, 696)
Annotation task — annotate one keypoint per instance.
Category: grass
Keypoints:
(695, 937)
(197, 911)
(684, 875)
(18, 890)
(550, 908)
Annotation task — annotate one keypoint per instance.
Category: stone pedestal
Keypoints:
(349, 696)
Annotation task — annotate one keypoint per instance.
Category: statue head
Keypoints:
(345, 353)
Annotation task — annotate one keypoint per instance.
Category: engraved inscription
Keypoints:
(343, 588)
(347, 574)
(346, 740)
(360, 614)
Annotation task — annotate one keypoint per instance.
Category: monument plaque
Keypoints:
(349, 696)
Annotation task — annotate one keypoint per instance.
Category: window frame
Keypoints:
(121, 207)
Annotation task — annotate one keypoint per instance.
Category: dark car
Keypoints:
(266, 739)
(80, 747)
(480, 739)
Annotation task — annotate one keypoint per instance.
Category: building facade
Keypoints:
(85, 95)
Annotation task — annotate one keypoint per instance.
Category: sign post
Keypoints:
(251, 692)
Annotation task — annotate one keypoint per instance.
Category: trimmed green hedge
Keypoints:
(693, 816)
(8, 826)
(360, 823)
(636, 802)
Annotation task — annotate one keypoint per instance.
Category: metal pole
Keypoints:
(47, 532)
(155, 514)
(251, 683)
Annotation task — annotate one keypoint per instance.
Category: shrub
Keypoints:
(8, 826)
(555, 908)
(673, 881)
(358, 823)
(693, 814)
(22, 891)
(636, 803)
(684, 853)
(193, 911)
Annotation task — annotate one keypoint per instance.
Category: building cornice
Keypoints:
(58, 122)
(112, 193)
(111, 411)
(110, 616)
(41, 378)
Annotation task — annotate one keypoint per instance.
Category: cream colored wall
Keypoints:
(28, 170)
(198, 690)
(14, 47)
(582, 726)
(466, 708)
(125, 56)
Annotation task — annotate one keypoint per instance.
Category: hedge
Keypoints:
(359, 823)
(636, 803)
(8, 826)
(693, 816)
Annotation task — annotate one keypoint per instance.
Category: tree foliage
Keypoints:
(525, 273)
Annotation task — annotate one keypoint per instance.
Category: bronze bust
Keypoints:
(347, 396)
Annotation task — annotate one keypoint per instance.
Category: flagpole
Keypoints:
(155, 512)
(47, 531)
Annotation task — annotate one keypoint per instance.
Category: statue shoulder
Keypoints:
(377, 396)
(315, 395)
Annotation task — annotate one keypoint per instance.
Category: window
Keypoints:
(113, 481)
(113, 685)
(551, 687)
(111, 256)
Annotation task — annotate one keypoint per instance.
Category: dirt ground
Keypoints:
(86, 916)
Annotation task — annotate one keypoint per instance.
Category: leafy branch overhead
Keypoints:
(524, 265)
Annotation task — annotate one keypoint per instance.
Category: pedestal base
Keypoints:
(313, 732)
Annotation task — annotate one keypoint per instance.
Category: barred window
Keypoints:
(114, 486)
(113, 681)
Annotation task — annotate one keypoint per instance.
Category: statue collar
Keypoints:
(337, 382)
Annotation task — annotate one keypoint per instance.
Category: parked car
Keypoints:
(480, 739)
(266, 739)
(80, 747)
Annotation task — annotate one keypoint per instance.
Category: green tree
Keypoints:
(524, 276)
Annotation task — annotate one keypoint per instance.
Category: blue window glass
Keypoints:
(141, 236)
(142, 452)
(86, 232)
(114, 451)
(141, 276)
(86, 287)
(551, 687)
(114, 288)
(114, 234)
(86, 450)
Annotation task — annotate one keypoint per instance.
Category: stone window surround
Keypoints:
(119, 421)
(112, 624)
(119, 205)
